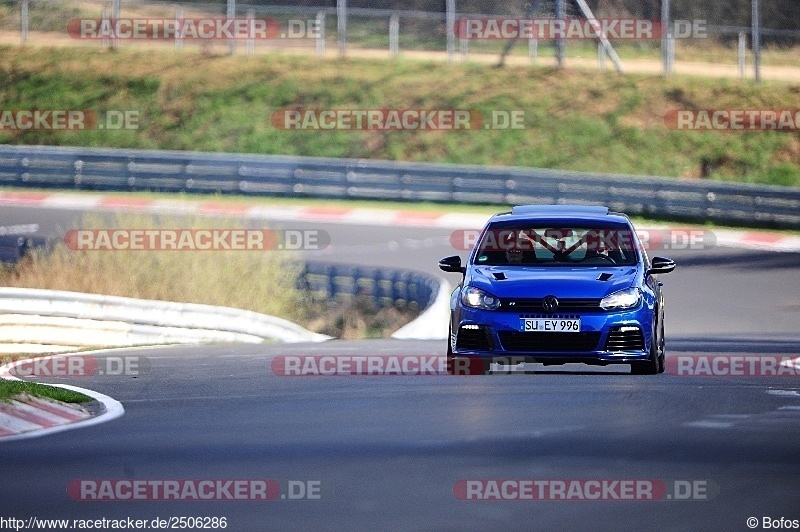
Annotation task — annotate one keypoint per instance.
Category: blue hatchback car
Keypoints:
(557, 284)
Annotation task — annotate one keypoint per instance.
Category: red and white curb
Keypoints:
(745, 239)
(26, 413)
(26, 416)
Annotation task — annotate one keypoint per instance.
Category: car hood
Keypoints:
(564, 282)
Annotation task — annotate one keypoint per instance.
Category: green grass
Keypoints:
(10, 389)
(574, 120)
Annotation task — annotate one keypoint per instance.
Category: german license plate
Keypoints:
(547, 325)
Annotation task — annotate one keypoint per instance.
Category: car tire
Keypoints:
(652, 365)
(662, 352)
(467, 365)
(451, 360)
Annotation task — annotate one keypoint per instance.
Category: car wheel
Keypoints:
(652, 365)
(465, 365)
(662, 353)
(450, 358)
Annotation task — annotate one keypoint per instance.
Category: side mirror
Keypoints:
(452, 265)
(661, 265)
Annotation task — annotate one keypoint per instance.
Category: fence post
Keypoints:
(666, 33)
(341, 21)
(115, 22)
(742, 55)
(251, 30)
(24, 21)
(757, 40)
(601, 57)
(559, 15)
(671, 49)
(231, 13)
(450, 21)
(105, 41)
(321, 33)
(178, 28)
(533, 49)
(394, 34)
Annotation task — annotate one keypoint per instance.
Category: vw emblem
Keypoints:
(550, 304)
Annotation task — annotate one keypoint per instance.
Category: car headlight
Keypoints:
(621, 300)
(477, 298)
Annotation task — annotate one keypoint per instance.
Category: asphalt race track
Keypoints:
(389, 452)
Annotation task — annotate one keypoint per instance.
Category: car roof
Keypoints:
(561, 213)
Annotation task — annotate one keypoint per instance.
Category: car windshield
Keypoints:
(526, 245)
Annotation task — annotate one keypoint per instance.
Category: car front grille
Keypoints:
(473, 338)
(625, 339)
(532, 342)
(535, 304)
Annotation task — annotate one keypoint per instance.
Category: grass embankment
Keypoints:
(261, 281)
(11, 389)
(574, 120)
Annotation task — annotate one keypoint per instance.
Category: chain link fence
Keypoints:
(699, 36)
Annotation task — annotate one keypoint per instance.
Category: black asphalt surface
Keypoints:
(388, 451)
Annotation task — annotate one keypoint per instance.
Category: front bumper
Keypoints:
(605, 337)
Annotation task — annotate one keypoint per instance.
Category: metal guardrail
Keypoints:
(385, 287)
(272, 175)
(163, 320)
(322, 281)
